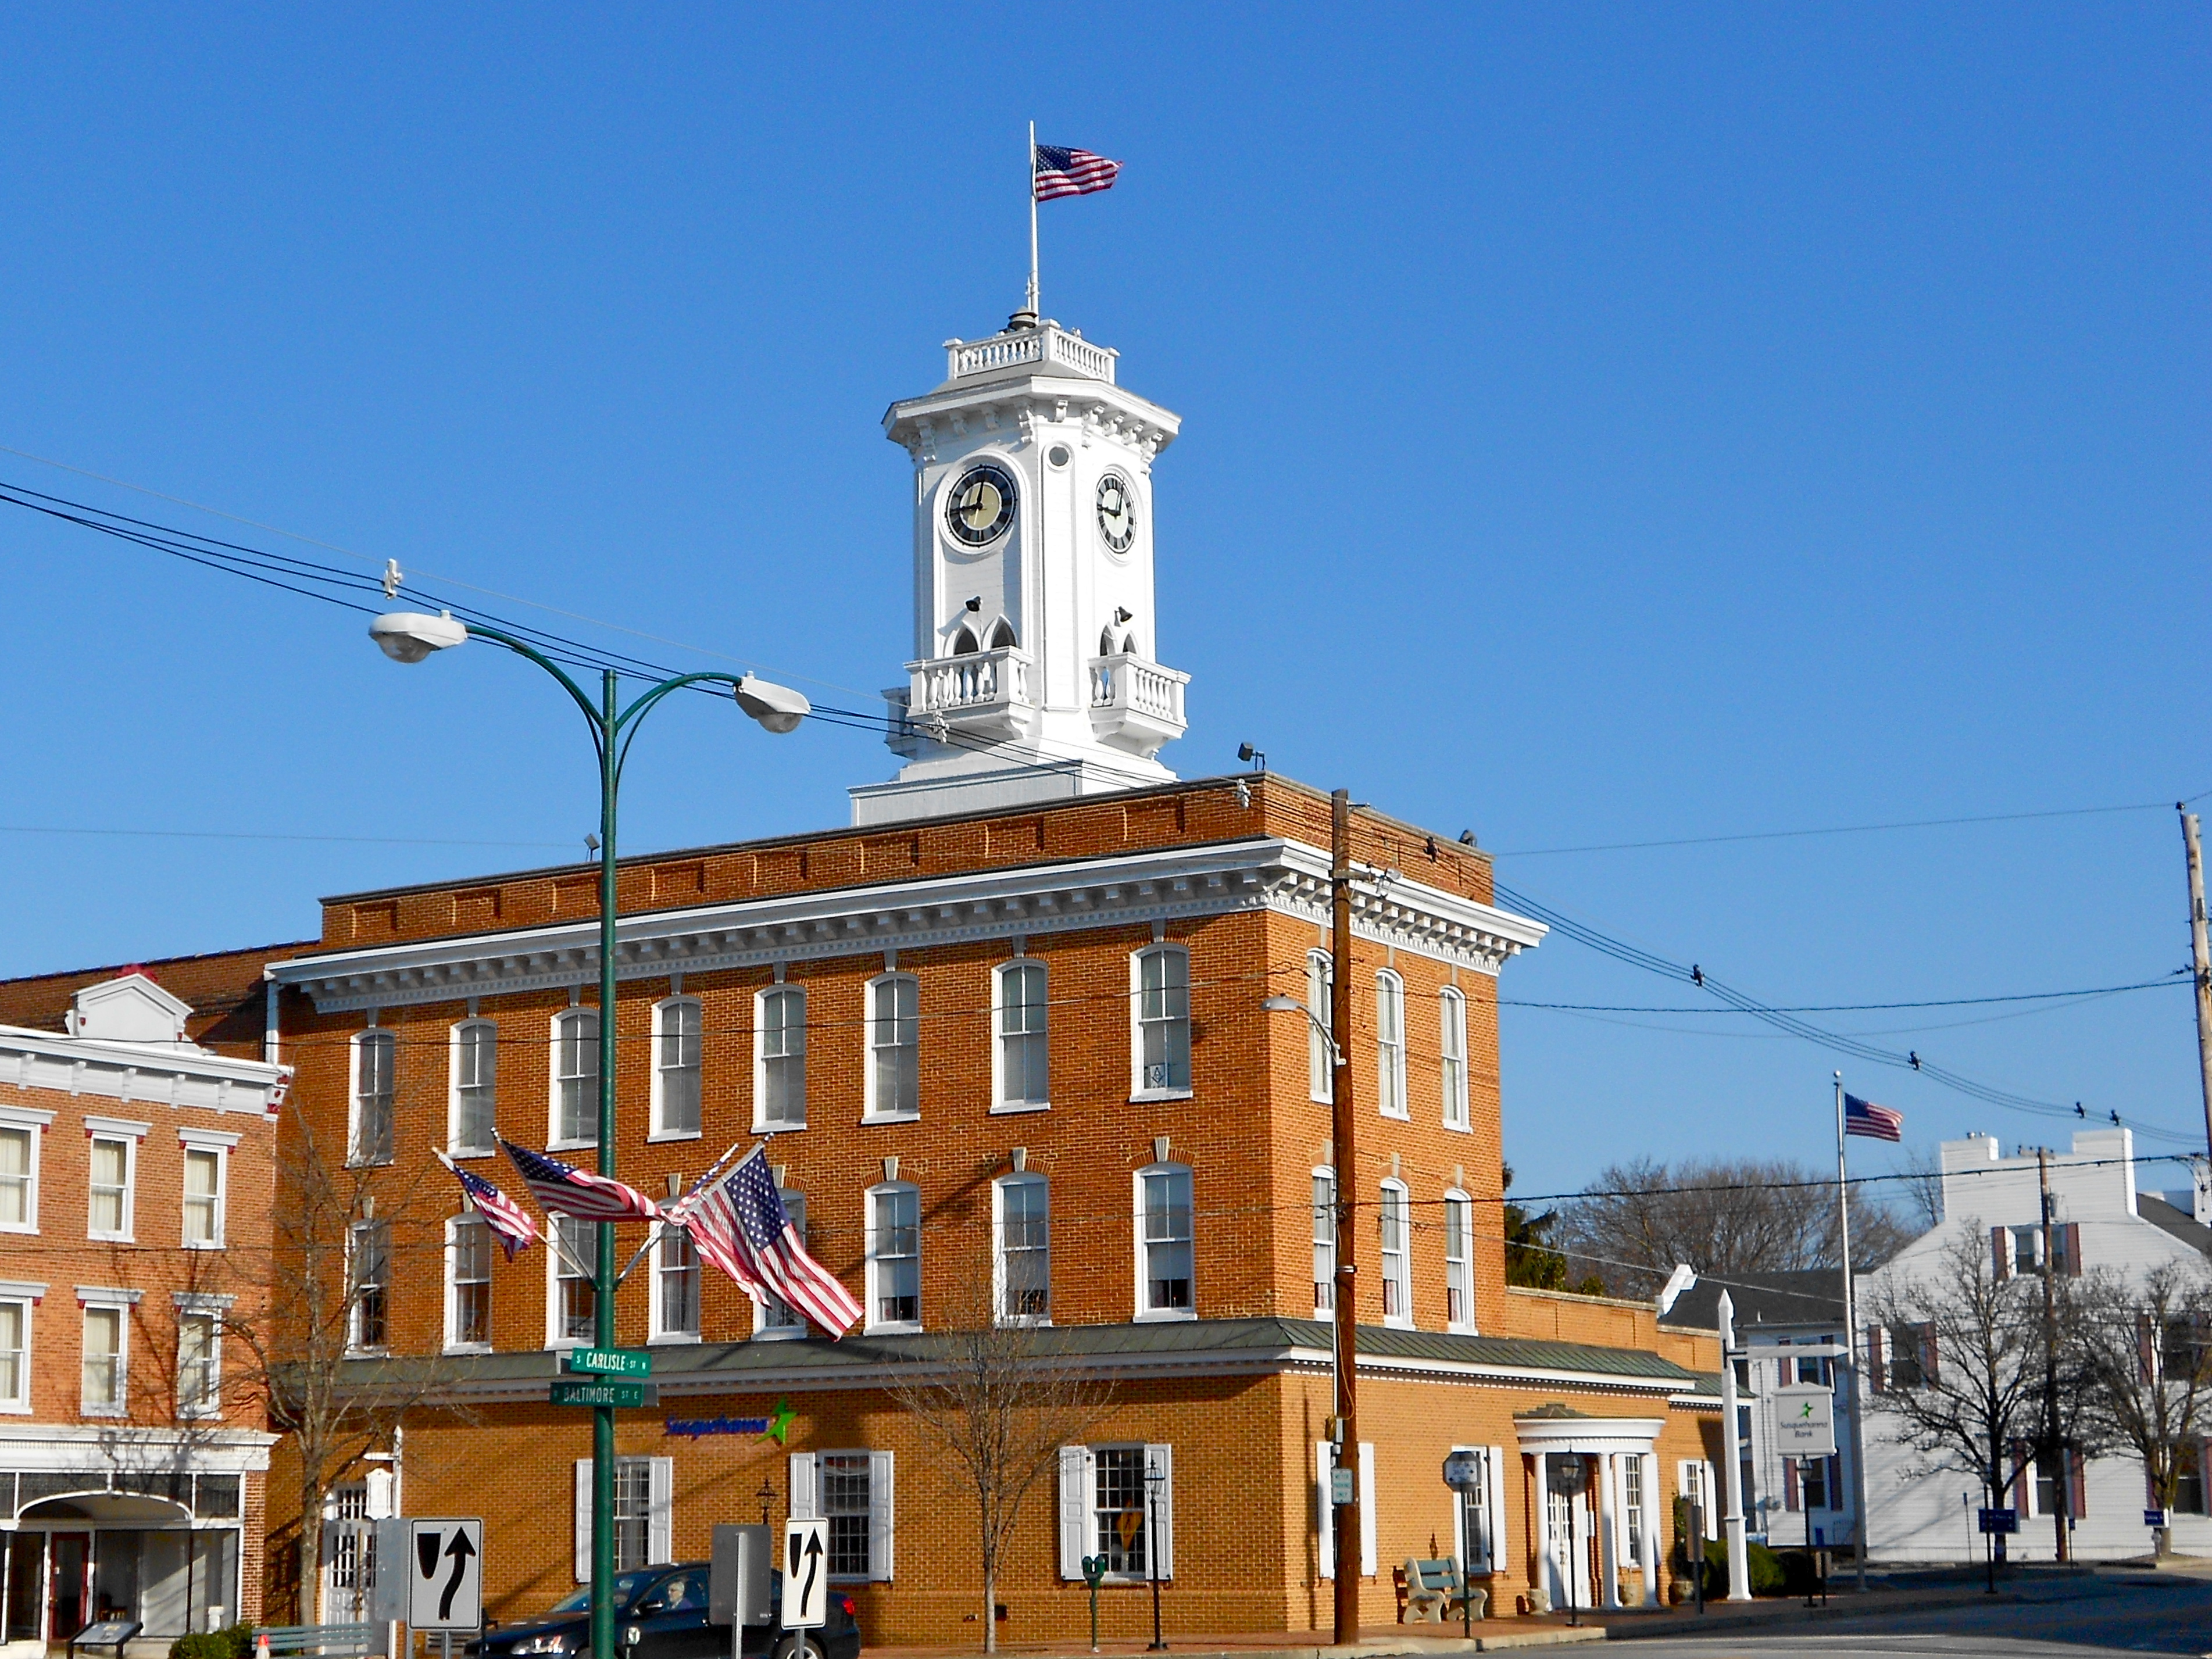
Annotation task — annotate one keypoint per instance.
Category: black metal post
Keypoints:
(1152, 1477)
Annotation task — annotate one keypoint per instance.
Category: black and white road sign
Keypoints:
(444, 1573)
(805, 1573)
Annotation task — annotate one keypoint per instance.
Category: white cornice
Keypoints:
(147, 1074)
(1127, 887)
(67, 1448)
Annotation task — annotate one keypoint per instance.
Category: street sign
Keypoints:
(2157, 1518)
(1339, 1487)
(444, 1573)
(610, 1362)
(805, 1574)
(1804, 1421)
(1463, 1471)
(737, 1577)
(1998, 1521)
(594, 1391)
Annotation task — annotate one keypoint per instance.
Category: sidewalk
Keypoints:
(1376, 1642)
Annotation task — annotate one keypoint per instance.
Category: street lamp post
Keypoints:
(1155, 1478)
(410, 637)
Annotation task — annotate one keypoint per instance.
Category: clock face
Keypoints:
(981, 505)
(1117, 511)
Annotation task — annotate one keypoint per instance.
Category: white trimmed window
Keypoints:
(106, 1332)
(1390, 1045)
(21, 1132)
(1164, 1244)
(1478, 1521)
(1693, 1481)
(1109, 1507)
(1459, 1261)
(1324, 1471)
(572, 1309)
(1397, 1256)
(199, 1361)
(468, 1284)
(374, 1054)
(206, 1166)
(368, 1271)
(1161, 994)
(675, 1286)
(576, 1077)
(644, 1513)
(1452, 1007)
(780, 1058)
(1022, 1059)
(1324, 1242)
(474, 1070)
(774, 1318)
(894, 1087)
(1631, 1506)
(894, 1257)
(108, 1201)
(1022, 1214)
(16, 1301)
(852, 1490)
(678, 1051)
(1320, 1075)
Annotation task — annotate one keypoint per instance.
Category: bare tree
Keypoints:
(1001, 1397)
(2147, 1354)
(1723, 1216)
(1921, 1180)
(1960, 1360)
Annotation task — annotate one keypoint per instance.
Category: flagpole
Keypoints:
(1033, 307)
(1851, 1347)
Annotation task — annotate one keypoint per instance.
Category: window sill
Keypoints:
(894, 1327)
(203, 1245)
(106, 1238)
(468, 1347)
(18, 1227)
(1016, 1107)
(352, 1353)
(468, 1152)
(1159, 1094)
(672, 1340)
(563, 1344)
(761, 1128)
(591, 1146)
(1394, 1117)
(1167, 1316)
(103, 1411)
(1320, 1100)
(200, 1413)
(1398, 1322)
(16, 1408)
(1457, 1129)
(662, 1137)
(890, 1117)
(780, 1334)
(1463, 1330)
(357, 1162)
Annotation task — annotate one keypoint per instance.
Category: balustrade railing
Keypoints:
(1125, 681)
(982, 680)
(1048, 344)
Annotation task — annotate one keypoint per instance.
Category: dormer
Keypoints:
(131, 1008)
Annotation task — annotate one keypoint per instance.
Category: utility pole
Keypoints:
(1349, 1560)
(2054, 1447)
(2201, 956)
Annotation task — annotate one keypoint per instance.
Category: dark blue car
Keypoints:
(660, 1613)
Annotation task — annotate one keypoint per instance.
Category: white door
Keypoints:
(1569, 1562)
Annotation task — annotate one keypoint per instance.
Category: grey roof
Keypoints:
(1812, 1297)
(2175, 1221)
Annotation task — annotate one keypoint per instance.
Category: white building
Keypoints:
(1924, 1514)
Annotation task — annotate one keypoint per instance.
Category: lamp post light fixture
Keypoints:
(1155, 1478)
(409, 636)
(767, 1495)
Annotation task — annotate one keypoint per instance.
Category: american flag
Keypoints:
(510, 1222)
(569, 1191)
(741, 1226)
(1863, 1117)
(1072, 171)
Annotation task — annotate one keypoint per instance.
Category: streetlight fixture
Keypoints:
(1155, 1478)
(1293, 1005)
(411, 636)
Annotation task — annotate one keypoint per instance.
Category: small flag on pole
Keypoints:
(1863, 1117)
(1072, 171)
(578, 1193)
(510, 1222)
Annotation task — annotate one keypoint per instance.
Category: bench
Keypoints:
(333, 1641)
(1434, 1593)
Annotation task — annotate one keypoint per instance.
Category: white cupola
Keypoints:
(1035, 673)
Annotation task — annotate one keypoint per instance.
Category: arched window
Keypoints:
(964, 642)
(1390, 1045)
(1023, 1261)
(894, 1257)
(1320, 1073)
(1397, 1256)
(1002, 633)
(374, 1053)
(780, 1058)
(676, 1052)
(1129, 644)
(1105, 642)
(1165, 1288)
(1023, 1058)
(1161, 1040)
(1324, 1241)
(474, 1070)
(576, 1077)
(468, 1284)
(1453, 1044)
(1459, 1261)
(894, 1083)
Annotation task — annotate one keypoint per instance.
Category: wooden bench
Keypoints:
(1434, 1593)
(332, 1641)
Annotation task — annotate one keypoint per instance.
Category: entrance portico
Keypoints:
(1616, 1508)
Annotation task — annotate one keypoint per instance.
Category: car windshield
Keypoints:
(626, 1588)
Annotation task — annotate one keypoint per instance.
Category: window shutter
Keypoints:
(1075, 1482)
(1712, 1509)
(583, 1520)
(2146, 1351)
(1877, 1373)
(804, 1506)
(879, 1517)
(2073, 1249)
(1495, 1489)
(2000, 1253)
(1164, 1546)
(660, 1512)
(1325, 1515)
(1926, 1335)
(2077, 1485)
(1790, 1488)
(1366, 1508)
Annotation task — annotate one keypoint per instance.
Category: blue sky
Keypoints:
(1600, 425)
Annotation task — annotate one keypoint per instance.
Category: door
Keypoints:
(68, 1609)
(27, 1587)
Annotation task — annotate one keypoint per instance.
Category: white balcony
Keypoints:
(1048, 346)
(985, 692)
(1136, 704)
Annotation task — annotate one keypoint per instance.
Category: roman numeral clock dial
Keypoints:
(1117, 511)
(979, 506)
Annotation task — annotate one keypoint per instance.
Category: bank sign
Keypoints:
(774, 1426)
(1804, 1421)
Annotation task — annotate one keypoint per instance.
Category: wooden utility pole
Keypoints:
(2054, 1444)
(1349, 1560)
(2201, 956)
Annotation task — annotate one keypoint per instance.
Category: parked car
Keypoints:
(660, 1613)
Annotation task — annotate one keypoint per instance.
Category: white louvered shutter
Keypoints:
(1712, 1509)
(880, 1515)
(583, 1520)
(1494, 1497)
(804, 1505)
(1075, 1480)
(1324, 1515)
(1366, 1508)
(660, 1514)
(1164, 1546)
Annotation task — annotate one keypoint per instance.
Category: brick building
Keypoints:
(137, 1143)
(1006, 1035)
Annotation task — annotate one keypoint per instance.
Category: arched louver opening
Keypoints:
(1002, 634)
(963, 643)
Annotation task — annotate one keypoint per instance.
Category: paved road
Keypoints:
(2105, 1615)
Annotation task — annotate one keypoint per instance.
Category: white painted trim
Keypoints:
(173, 1074)
(1394, 1187)
(220, 1152)
(871, 1111)
(1460, 1121)
(1139, 1091)
(1025, 1178)
(127, 1135)
(999, 973)
(33, 1126)
(220, 1139)
(1390, 1058)
(657, 1099)
(1143, 1315)
(1469, 1326)
(872, 1325)
(455, 1034)
(554, 1140)
(762, 1123)
(117, 1128)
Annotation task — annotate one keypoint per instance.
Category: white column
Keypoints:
(1652, 1533)
(1546, 1573)
(1608, 1530)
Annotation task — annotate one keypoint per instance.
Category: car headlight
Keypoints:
(632, 1634)
(551, 1641)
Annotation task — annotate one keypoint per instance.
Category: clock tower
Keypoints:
(1035, 673)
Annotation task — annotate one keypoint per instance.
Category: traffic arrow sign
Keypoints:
(445, 1572)
(805, 1574)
